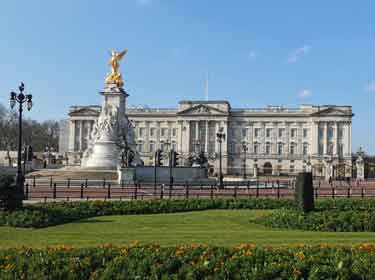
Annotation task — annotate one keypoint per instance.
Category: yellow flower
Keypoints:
(300, 255)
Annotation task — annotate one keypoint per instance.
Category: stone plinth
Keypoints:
(112, 132)
(126, 175)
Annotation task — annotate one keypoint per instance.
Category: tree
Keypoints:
(37, 134)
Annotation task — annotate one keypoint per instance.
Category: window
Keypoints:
(341, 150)
(320, 132)
(256, 148)
(293, 132)
(244, 133)
(140, 147)
(164, 132)
(152, 131)
(292, 148)
(152, 147)
(305, 132)
(280, 148)
(291, 168)
(281, 132)
(141, 132)
(256, 132)
(305, 149)
(341, 133)
(232, 147)
(330, 133)
(320, 149)
(330, 149)
(268, 148)
(268, 132)
(162, 146)
(174, 132)
(174, 146)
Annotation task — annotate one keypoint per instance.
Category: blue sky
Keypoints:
(257, 53)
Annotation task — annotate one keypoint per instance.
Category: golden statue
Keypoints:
(115, 77)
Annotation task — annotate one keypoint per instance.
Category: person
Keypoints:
(330, 180)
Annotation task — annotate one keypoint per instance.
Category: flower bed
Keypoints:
(43, 215)
(321, 220)
(189, 262)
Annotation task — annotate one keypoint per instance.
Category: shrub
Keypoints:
(10, 198)
(324, 220)
(304, 192)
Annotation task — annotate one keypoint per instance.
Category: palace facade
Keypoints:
(278, 140)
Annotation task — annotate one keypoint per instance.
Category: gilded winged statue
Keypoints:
(114, 63)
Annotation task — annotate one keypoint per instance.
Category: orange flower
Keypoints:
(8, 266)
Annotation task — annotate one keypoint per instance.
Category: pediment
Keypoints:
(85, 112)
(202, 110)
(332, 112)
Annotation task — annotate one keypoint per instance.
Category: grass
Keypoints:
(214, 227)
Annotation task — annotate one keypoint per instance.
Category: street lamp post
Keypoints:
(20, 98)
(220, 137)
(245, 149)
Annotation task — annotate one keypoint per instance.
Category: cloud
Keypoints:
(252, 55)
(369, 87)
(297, 54)
(305, 93)
(144, 2)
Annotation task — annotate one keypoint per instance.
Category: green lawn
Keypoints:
(215, 227)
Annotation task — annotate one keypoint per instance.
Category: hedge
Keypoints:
(189, 262)
(325, 220)
(48, 214)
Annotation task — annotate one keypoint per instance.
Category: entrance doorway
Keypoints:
(267, 168)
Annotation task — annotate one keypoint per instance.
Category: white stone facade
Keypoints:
(279, 140)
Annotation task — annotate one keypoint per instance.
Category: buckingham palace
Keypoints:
(272, 140)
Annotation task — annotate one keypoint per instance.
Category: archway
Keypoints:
(267, 168)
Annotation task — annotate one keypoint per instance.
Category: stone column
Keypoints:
(274, 138)
(336, 140)
(287, 133)
(263, 145)
(80, 135)
(300, 139)
(349, 145)
(147, 138)
(187, 137)
(325, 138)
(157, 138)
(206, 140)
(72, 131)
(314, 138)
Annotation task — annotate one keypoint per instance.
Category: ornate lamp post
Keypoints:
(220, 137)
(20, 98)
(245, 149)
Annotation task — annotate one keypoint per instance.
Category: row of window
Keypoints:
(280, 148)
(152, 147)
(258, 132)
(153, 132)
(331, 132)
(330, 149)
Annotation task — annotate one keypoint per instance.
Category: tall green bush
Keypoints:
(10, 198)
(304, 192)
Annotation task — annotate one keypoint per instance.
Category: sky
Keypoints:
(256, 53)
